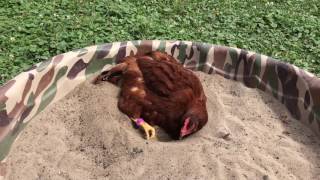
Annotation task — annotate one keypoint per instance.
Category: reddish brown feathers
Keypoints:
(161, 91)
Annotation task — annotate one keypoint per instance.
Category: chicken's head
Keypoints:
(193, 121)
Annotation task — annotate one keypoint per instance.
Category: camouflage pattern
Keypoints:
(32, 91)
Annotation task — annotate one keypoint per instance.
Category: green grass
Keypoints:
(31, 31)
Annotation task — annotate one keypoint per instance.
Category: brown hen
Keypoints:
(157, 90)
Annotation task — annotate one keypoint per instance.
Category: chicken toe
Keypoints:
(148, 129)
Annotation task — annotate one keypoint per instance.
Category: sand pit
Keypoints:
(249, 136)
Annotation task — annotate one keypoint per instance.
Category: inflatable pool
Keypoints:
(29, 93)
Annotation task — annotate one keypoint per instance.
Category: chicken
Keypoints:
(157, 90)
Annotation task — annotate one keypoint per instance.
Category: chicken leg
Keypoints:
(148, 130)
(128, 106)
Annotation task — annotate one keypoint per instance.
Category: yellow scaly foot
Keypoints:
(149, 130)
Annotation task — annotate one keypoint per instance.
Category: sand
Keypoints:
(249, 136)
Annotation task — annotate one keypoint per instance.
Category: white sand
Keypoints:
(84, 136)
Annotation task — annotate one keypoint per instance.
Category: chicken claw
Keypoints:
(149, 130)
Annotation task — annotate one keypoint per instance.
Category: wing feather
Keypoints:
(162, 77)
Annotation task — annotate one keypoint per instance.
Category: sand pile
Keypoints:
(249, 136)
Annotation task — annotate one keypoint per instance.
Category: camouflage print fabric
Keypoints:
(32, 91)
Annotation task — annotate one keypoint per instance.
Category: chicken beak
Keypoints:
(181, 137)
(183, 134)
